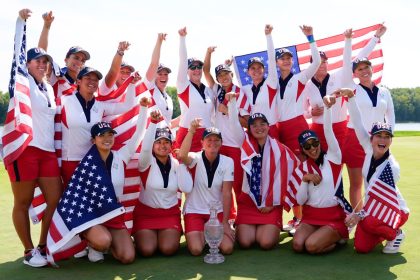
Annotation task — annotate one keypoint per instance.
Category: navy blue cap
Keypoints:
(101, 128)
(379, 127)
(163, 67)
(255, 59)
(88, 70)
(35, 53)
(359, 61)
(126, 65)
(78, 49)
(255, 116)
(212, 131)
(283, 51)
(306, 135)
(163, 132)
(193, 60)
(323, 55)
(220, 68)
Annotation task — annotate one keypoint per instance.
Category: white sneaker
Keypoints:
(393, 246)
(81, 254)
(95, 256)
(34, 259)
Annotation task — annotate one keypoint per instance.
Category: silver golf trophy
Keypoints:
(213, 233)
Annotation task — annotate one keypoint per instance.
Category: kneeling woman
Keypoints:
(322, 222)
(157, 217)
(384, 211)
(267, 166)
(88, 196)
(213, 178)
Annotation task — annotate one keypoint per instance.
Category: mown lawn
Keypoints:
(280, 263)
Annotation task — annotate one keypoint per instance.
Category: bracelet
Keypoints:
(310, 38)
(120, 53)
(361, 214)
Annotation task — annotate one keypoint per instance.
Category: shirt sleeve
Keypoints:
(347, 73)
(128, 150)
(228, 168)
(272, 78)
(368, 48)
(182, 79)
(302, 193)
(390, 113)
(234, 124)
(145, 156)
(334, 152)
(185, 181)
(309, 72)
(356, 118)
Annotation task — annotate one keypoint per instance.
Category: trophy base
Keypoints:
(214, 258)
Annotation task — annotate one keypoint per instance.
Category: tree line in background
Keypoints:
(406, 104)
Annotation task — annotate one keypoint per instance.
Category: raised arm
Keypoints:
(334, 152)
(145, 156)
(272, 78)
(185, 181)
(130, 147)
(43, 38)
(347, 74)
(309, 72)
(186, 143)
(182, 79)
(234, 124)
(154, 62)
(390, 113)
(113, 72)
(207, 65)
(365, 52)
(122, 107)
(356, 118)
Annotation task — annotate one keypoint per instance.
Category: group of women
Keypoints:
(250, 142)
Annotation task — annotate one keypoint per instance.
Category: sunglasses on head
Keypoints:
(307, 146)
(194, 67)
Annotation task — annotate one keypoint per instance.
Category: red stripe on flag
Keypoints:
(54, 232)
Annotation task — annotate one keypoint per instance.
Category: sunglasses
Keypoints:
(307, 146)
(194, 67)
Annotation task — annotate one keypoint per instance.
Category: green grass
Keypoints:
(406, 133)
(280, 263)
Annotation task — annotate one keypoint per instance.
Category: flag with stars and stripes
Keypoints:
(88, 200)
(333, 47)
(17, 133)
(382, 202)
(269, 186)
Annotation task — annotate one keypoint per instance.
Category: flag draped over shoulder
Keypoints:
(309, 166)
(88, 200)
(333, 47)
(17, 133)
(275, 171)
(382, 202)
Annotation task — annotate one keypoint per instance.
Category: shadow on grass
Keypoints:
(279, 263)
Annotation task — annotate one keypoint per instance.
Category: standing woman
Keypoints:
(195, 99)
(37, 164)
(79, 112)
(381, 172)
(213, 177)
(267, 166)
(376, 105)
(322, 222)
(157, 217)
(262, 93)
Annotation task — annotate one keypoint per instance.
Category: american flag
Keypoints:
(382, 202)
(88, 200)
(17, 131)
(275, 174)
(309, 166)
(125, 125)
(332, 46)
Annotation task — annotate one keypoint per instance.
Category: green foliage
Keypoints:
(406, 104)
(4, 103)
(172, 92)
